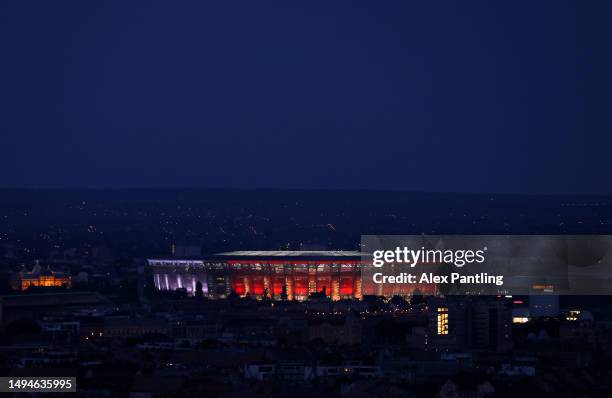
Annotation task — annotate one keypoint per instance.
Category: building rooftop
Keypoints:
(174, 261)
(290, 255)
(287, 253)
(263, 255)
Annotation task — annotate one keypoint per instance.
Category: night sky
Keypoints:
(412, 95)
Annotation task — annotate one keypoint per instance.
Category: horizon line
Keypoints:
(293, 189)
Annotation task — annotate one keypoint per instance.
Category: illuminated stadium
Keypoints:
(293, 275)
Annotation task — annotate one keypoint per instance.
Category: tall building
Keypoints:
(478, 322)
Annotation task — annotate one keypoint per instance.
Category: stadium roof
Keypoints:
(290, 255)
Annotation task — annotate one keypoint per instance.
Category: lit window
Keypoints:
(572, 315)
(520, 319)
(442, 320)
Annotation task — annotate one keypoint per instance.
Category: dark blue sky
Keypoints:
(424, 96)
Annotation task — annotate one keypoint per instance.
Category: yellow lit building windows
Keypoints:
(442, 321)
(572, 315)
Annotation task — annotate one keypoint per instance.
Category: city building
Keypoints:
(291, 275)
(39, 277)
(458, 322)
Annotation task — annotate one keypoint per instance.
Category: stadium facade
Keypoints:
(291, 275)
